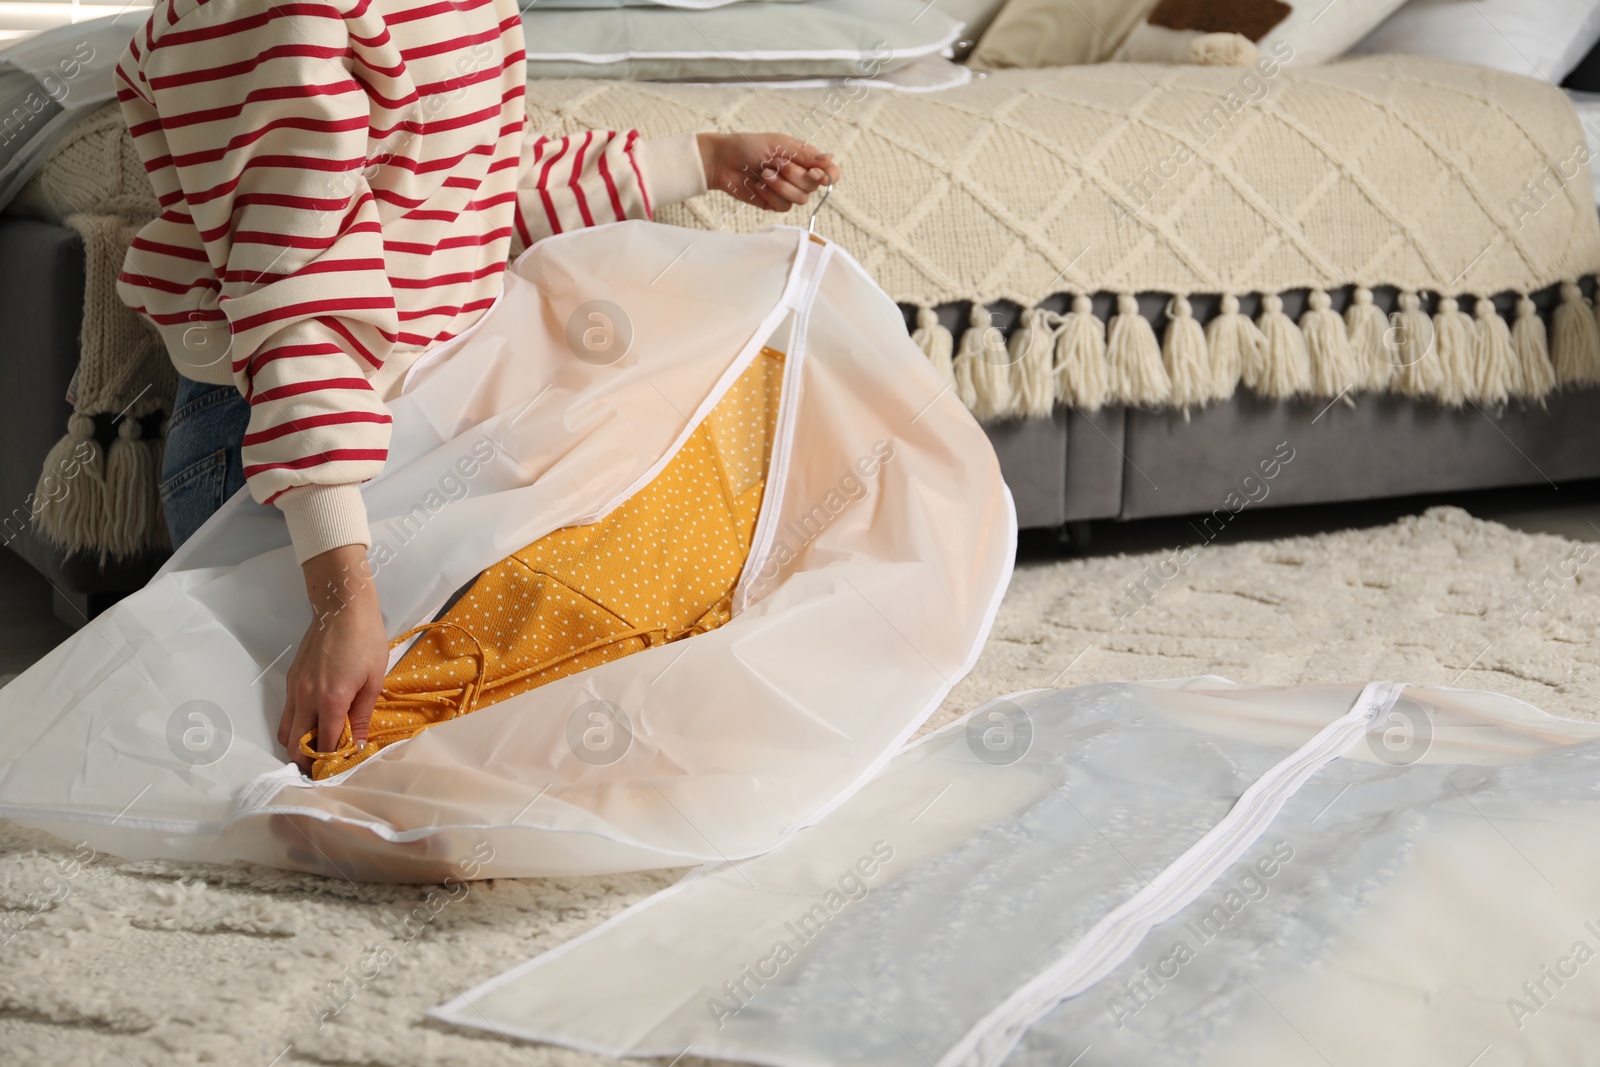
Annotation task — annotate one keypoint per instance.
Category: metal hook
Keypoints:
(811, 227)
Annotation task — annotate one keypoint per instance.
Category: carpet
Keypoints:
(114, 963)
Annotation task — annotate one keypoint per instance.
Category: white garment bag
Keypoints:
(884, 545)
(1156, 874)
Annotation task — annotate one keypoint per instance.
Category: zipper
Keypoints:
(1114, 938)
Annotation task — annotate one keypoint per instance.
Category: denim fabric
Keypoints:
(200, 467)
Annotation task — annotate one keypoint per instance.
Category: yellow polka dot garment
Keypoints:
(660, 567)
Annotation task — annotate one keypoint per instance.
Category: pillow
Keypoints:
(1230, 32)
(931, 74)
(1544, 39)
(756, 41)
(1051, 33)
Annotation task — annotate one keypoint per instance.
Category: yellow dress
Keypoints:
(660, 567)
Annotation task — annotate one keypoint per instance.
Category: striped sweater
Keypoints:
(341, 184)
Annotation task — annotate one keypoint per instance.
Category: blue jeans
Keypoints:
(200, 467)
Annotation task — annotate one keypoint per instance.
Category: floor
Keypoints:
(29, 627)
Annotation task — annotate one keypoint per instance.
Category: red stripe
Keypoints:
(299, 309)
(577, 177)
(644, 194)
(611, 185)
(179, 119)
(356, 346)
(204, 75)
(333, 455)
(248, 22)
(287, 122)
(254, 364)
(301, 388)
(544, 194)
(312, 422)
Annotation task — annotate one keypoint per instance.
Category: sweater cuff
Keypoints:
(324, 517)
(671, 168)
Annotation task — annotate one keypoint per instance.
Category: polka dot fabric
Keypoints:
(660, 567)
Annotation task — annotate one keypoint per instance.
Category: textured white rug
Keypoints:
(117, 963)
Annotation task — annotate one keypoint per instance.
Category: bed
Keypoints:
(1015, 201)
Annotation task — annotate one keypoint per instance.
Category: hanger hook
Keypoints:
(827, 190)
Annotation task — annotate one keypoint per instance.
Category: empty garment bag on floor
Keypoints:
(871, 570)
(1154, 874)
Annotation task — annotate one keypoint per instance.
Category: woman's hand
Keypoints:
(338, 670)
(770, 170)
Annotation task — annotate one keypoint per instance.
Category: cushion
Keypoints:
(760, 41)
(1049, 33)
(1222, 32)
(1544, 40)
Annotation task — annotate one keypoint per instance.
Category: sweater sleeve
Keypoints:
(601, 176)
(266, 130)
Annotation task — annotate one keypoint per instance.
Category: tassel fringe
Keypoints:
(1138, 377)
(1082, 375)
(1450, 357)
(1185, 356)
(101, 501)
(1536, 376)
(1033, 380)
(1366, 327)
(1575, 339)
(936, 343)
(983, 368)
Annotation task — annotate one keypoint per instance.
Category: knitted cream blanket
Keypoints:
(1397, 171)
(1385, 170)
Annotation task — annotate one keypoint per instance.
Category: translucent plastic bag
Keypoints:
(1186, 873)
(884, 544)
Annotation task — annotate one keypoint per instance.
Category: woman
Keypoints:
(342, 184)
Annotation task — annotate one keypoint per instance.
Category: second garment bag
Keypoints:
(1154, 874)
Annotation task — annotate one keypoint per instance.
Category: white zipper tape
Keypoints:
(1113, 939)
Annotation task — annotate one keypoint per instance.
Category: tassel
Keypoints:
(1137, 374)
(1233, 340)
(1282, 366)
(1334, 367)
(1184, 353)
(1575, 341)
(1365, 327)
(983, 367)
(1417, 368)
(132, 494)
(1454, 342)
(1033, 381)
(936, 343)
(1535, 376)
(1082, 375)
(1495, 367)
(69, 501)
